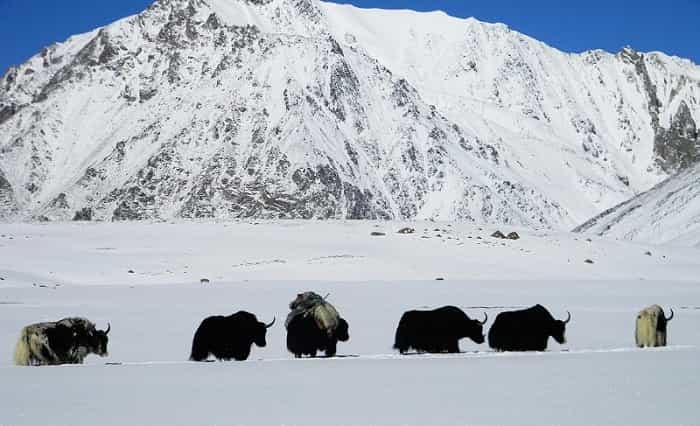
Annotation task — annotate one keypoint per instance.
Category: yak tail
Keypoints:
(200, 352)
(22, 350)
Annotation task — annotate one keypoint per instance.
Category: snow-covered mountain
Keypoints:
(667, 213)
(299, 108)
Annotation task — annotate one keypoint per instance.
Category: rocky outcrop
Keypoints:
(678, 147)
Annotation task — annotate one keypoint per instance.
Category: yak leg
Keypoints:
(242, 355)
(332, 348)
(453, 347)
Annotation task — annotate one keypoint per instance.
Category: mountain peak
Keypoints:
(298, 108)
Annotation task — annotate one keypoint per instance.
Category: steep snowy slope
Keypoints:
(603, 125)
(668, 213)
(295, 108)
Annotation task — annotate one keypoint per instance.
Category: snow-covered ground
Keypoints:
(598, 377)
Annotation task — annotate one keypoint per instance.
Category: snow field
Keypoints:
(598, 377)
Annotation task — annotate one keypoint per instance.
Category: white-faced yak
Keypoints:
(67, 341)
(313, 326)
(526, 330)
(228, 338)
(437, 331)
(651, 327)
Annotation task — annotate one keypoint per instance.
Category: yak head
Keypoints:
(341, 333)
(475, 329)
(559, 329)
(86, 337)
(97, 340)
(260, 331)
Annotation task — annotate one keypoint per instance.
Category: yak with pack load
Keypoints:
(313, 326)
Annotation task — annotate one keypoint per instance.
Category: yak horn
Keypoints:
(270, 324)
(486, 318)
(671, 317)
(568, 318)
(109, 327)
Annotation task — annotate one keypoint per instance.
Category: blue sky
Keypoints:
(672, 26)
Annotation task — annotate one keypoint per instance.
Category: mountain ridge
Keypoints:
(371, 135)
(668, 213)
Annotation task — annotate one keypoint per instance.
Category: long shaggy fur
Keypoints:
(22, 351)
(67, 341)
(229, 337)
(436, 331)
(526, 330)
(650, 330)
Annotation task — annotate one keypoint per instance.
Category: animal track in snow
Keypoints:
(258, 263)
(333, 257)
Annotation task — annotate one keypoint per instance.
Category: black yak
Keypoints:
(526, 330)
(67, 341)
(314, 325)
(651, 327)
(437, 331)
(305, 337)
(228, 337)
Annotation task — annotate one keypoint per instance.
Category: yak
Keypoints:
(68, 341)
(526, 330)
(651, 327)
(228, 337)
(305, 337)
(437, 331)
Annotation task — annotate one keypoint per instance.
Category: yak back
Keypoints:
(442, 320)
(538, 311)
(536, 315)
(242, 322)
(309, 303)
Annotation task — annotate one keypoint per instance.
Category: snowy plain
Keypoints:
(50, 271)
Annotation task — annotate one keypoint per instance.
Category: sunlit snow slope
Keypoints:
(668, 213)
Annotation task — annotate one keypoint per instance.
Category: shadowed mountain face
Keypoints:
(301, 109)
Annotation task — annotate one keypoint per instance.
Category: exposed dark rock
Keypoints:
(60, 202)
(8, 111)
(498, 234)
(8, 205)
(406, 231)
(377, 234)
(513, 236)
(678, 147)
(589, 261)
(84, 214)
